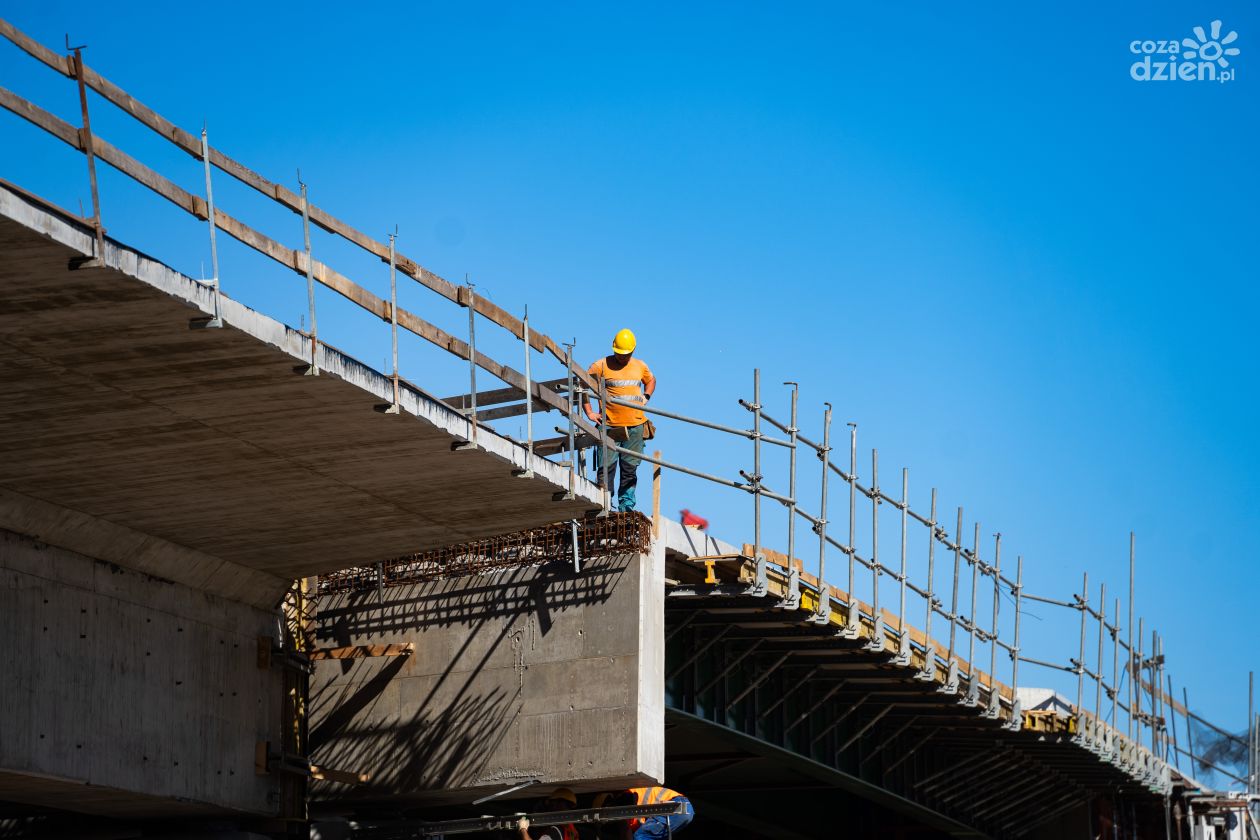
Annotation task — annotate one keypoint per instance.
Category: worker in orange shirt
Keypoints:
(660, 828)
(630, 380)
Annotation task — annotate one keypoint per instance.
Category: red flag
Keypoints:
(692, 521)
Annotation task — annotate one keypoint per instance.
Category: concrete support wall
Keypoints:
(531, 673)
(127, 694)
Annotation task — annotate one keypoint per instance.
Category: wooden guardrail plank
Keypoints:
(58, 62)
(195, 205)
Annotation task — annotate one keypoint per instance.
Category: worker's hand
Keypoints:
(522, 824)
(593, 416)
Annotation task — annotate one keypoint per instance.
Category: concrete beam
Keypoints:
(528, 673)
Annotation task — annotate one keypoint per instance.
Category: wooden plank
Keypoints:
(31, 112)
(190, 143)
(56, 61)
(363, 651)
(499, 395)
(345, 777)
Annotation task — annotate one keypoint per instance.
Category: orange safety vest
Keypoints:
(626, 384)
(655, 795)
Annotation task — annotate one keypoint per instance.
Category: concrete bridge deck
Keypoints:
(122, 419)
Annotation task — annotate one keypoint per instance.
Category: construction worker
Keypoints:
(560, 799)
(660, 828)
(630, 380)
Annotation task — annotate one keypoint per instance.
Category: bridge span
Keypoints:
(254, 584)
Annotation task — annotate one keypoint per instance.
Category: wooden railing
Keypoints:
(82, 139)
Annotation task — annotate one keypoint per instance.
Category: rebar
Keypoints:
(616, 535)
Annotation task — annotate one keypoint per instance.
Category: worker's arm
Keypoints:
(591, 413)
(649, 383)
(522, 826)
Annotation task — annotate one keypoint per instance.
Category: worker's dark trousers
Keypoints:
(629, 467)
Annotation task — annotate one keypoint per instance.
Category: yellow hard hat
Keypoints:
(624, 343)
(565, 795)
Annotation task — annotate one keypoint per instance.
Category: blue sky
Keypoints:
(1025, 276)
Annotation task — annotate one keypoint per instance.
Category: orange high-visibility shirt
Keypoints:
(624, 384)
(655, 795)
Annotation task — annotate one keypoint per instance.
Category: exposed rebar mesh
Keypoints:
(617, 533)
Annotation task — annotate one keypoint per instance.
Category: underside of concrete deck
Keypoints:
(119, 417)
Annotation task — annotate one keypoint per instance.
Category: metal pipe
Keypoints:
(393, 313)
(310, 279)
(927, 623)
(572, 405)
(905, 505)
(89, 150)
(1115, 668)
(660, 463)
(971, 616)
(953, 601)
(1154, 691)
(604, 444)
(1019, 593)
(997, 602)
(875, 536)
(529, 398)
(756, 477)
(1129, 645)
(852, 514)
(472, 360)
(1185, 699)
(1068, 669)
(791, 530)
(1102, 619)
(823, 613)
(1173, 705)
(1080, 662)
(217, 319)
(1135, 677)
(1251, 731)
(673, 415)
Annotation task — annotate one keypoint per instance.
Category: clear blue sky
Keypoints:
(1023, 274)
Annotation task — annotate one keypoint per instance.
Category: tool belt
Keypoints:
(621, 434)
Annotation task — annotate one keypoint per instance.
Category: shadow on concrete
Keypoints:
(434, 722)
(445, 603)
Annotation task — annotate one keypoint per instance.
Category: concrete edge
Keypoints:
(293, 343)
